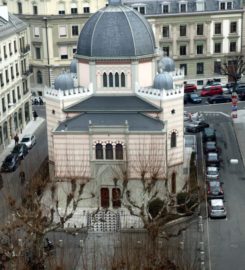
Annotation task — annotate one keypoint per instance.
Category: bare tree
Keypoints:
(34, 217)
(233, 67)
(157, 204)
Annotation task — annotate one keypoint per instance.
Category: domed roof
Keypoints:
(116, 31)
(166, 64)
(163, 81)
(64, 82)
(73, 66)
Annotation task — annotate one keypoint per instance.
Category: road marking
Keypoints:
(217, 113)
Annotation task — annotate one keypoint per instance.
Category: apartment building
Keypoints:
(54, 28)
(15, 106)
(198, 34)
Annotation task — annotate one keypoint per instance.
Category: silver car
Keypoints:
(217, 209)
(212, 173)
(29, 140)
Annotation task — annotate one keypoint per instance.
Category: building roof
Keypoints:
(163, 81)
(12, 26)
(155, 7)
(64, 82)
(166, 64)
(117, 103)
(134, 121)
(116, 31)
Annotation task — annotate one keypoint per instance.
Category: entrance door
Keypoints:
(105, 197)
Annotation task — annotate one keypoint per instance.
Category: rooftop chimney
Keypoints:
(4, 13)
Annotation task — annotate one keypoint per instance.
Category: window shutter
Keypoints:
(63, 50)
(62, 31)
(36, 31)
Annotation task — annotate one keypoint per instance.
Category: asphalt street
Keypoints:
(30, 164)
(225, 238)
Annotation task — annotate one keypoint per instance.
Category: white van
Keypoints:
(217, 209)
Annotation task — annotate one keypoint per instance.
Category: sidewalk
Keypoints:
(239, 128)
(30, 128)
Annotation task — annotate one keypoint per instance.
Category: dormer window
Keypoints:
(224, 5)
(140, 8)
(229, 5)
(182, 7)
(200, 5)
(165, 8)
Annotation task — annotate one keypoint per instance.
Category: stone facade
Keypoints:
(15, 108)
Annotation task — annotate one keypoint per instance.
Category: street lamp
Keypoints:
(47, 45)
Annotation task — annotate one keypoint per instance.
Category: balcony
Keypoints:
(25, 49)
(27, 73)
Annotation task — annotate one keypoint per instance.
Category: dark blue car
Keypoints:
(10, 163)
(194, 98)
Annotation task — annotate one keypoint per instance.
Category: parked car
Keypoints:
(185, 98)
(190, 87)
(212, 160)
(10, 163)
(216, 209)
(212, 173)
(226, 90)
(240, 89)
(195, 126)
(21, 150)
(219, 99)
(211, 90)
(214, 190)
(210, 146)
(194, 98)
(208, 134)
(29, 140)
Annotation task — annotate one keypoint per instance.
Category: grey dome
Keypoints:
(163, 81)
(116, 31)
(166, 64)
(64, 82)
(73, 66)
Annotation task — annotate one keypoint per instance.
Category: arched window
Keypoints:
(20, 116)
(173, 183)
(122, 79)
(1, 136)
(104, 197)
(119, 151)
(110, 79)
(27, 112)
(108, 151)
(39, 77)
(104, 80)
(99, 151)
(116, 197)
(15, 120)
(5, 130)
(173, 139)
(117, 79)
